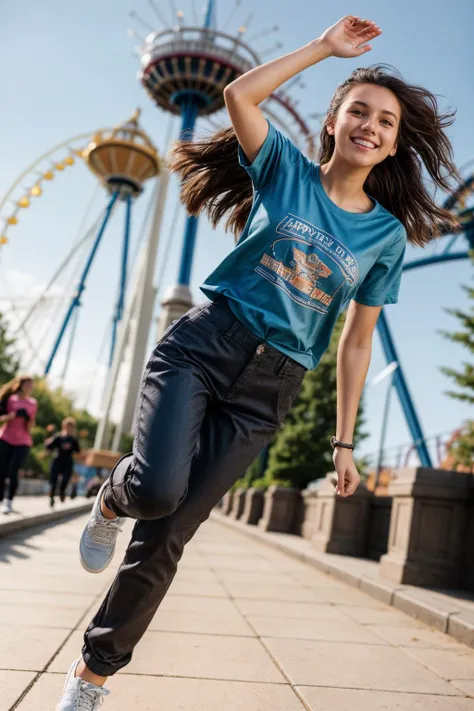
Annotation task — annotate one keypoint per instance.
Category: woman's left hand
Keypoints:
(347, 475)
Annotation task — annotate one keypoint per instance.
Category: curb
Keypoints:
(438, 610)
(24, 522)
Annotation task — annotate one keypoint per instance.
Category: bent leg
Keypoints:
(150, 482)
(228, 445)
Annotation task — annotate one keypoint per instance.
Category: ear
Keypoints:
(394, 150)
(330, 128)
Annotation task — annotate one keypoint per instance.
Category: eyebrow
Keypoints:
(384, 111)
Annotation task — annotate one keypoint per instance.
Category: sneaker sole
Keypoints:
(81, 554)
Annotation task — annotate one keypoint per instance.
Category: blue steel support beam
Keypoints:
(81, 286)
(190, 110)
(123, 277)
(209, 15)
(403, 392)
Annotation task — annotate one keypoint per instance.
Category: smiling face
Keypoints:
(367, 125)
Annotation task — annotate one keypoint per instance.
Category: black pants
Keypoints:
(212, 397)
(11, 460)
(61, 469)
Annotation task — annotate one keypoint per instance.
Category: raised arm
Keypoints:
(243, 96)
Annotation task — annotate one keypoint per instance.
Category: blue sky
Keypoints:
(70, 67)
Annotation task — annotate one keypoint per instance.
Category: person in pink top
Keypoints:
(17, 415)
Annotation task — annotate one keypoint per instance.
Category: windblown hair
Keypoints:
(213, 181)
(11, 388)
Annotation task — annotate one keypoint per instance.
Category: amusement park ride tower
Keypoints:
(185, 71)
(123, 160)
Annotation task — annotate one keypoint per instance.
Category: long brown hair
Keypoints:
(13, 386)
(213, 181)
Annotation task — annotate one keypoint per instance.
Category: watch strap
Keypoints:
(336, 443)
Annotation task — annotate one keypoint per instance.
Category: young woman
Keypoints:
(65, 446)
(18, 412)
(313, 240)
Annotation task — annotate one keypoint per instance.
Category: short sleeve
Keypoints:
(382, 284)
(277, 154)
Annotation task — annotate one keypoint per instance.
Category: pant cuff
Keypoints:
(102, 668)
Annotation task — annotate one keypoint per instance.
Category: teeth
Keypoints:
(363, 143)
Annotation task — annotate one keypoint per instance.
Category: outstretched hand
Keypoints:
(348, 37)
(347, 475)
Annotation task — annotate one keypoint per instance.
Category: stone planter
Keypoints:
(310, 509)
(253, 507)
(238, 503)
(227, 501)
(380, 512)
(428, 527)
(340, 525)
(280, 509)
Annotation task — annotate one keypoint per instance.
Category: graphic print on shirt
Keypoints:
(308, 264)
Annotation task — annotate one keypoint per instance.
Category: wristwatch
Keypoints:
(335, 443)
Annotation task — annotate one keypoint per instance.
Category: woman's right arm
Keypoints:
(242, 97)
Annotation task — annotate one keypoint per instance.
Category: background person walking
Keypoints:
(17, 416)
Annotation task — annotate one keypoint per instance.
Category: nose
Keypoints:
(369, 124)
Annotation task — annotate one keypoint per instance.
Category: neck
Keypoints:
(344, 184)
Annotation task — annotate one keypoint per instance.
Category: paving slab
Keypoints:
(319, 629)
(299, 610)
(354, 666)
(319, 699)
(152, 693)
(189, 655)
(29, 648)
(12, 684)
(449, 664)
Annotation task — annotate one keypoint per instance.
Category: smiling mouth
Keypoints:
(369, 147)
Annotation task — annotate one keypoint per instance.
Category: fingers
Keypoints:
(341, 484)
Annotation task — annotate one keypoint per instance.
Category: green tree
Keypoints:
(463, 449)
(9, 363)
(300, 452)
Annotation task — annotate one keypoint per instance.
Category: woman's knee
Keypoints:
(155, 499)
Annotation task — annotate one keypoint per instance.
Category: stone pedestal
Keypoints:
(428, 527)
(310, 513)
(238, 503)
(379, 526)
(253, 507)
(340, 525)
(227, 501)
(280, 509)
(467, 575)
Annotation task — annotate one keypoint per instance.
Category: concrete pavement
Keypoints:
(243, 627)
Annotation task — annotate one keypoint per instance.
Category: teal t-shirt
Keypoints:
(301, 258)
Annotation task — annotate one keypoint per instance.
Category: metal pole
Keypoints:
(102, 433)
(143, 309)
(189, 115)
(403, 392)
(123, 277)
(384, 430)
(81, 286)
(69, 350)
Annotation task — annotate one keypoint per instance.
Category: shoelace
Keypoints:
(90, 697)
(103, 532)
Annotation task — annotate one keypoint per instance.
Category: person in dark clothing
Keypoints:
(65, 445)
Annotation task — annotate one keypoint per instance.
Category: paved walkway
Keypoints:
(243, 627)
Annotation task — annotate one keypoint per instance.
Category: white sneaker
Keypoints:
(98, 539)
(7, 506)
(80, 695)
